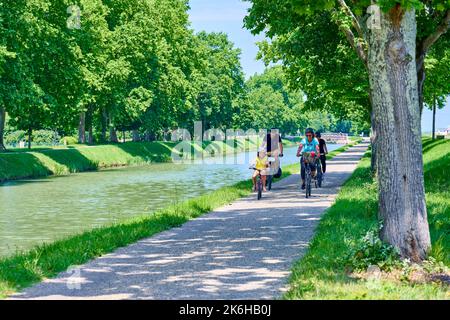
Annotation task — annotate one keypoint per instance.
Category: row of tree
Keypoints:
(105, 66)
(125, 65)
(369, 59)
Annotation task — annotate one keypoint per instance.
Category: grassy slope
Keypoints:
(62, 161)
(320, 273)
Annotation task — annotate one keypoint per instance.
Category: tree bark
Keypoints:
(113, 135)
(82, 128)
(104, 122)
(2, 128)
(421, 76)
(136, 136)
(30, 134)
(373, 142)
(394, 91)
(89, 124)
(434, 118)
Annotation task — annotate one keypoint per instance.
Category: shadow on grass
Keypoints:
(149, 151)
(72, 159)
(20, 166)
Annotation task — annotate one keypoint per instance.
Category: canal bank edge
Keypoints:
(60, 162)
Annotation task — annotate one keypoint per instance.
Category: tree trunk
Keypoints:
(421, 79)
(91, 134)
(2, 128)
(434, 118)
(30, 134)
(373, 142)
(82, 128)
(136, 136)
(104, 121)
(89, 124)
(394, 90)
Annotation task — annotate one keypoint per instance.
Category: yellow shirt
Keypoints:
(261, 164)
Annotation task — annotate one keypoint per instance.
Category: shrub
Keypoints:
(370, 250)
(15, 137)
(69, 140)
(45, 137)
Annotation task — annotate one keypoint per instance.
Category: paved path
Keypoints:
(241, 251)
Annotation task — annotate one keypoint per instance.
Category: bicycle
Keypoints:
(259, 184)
(308, 173)
(319, 175)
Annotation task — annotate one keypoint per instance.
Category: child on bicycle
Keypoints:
(261, 164)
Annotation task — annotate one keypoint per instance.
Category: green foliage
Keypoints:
(370, 250)
(45, 137)
(68, 140)
(15, 137)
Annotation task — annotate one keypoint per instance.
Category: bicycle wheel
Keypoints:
(308, 182)
(259, 188)
(319, 174)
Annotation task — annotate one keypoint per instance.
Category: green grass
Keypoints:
(62, 161)
(321, 274)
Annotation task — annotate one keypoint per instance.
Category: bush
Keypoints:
(15, 137)
(370, 250)
(69, 140)
(45, 137)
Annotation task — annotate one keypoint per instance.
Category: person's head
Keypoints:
(318, 135)
(309, 133)
(262, 153)
(274, 131)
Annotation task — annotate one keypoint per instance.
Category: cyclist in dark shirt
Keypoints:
(323, 151)
(273, 143)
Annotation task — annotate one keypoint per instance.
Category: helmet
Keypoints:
(309, 130)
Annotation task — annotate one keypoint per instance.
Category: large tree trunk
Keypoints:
(2, 128)
(394, 89)
(82, 128)
(434, 118)
(373, 142)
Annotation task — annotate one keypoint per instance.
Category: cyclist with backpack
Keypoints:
(323, 151)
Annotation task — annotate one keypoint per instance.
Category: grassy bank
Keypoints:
(322, 273)
(63, 161)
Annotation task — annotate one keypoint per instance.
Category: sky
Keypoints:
(227, 16)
